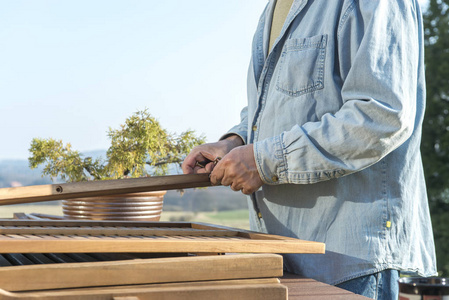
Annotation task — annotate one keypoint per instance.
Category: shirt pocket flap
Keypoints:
(301, 66)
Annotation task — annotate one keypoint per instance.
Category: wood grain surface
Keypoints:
(59, 236)
(49, 192)
(140, 271)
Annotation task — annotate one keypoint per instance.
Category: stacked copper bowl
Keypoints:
(126, 207)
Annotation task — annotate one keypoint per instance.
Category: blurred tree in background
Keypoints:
(435, 141)
(139, 143)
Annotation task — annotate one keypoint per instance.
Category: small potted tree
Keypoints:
(140, 147)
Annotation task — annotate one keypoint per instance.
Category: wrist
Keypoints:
(234, 140)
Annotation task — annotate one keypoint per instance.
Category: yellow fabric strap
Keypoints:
(280, 14)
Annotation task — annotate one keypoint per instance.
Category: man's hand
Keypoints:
(201, 158)
(238, 169)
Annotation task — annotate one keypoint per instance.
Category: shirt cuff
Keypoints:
(270, 160)
(225, 136)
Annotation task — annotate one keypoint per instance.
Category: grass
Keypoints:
(234, 218)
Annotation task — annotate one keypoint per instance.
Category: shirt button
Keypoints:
(259, 215)
(275, 178)
(254, 128)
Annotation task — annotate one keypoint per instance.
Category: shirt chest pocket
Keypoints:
(301, 66)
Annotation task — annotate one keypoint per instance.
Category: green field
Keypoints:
(234, 218)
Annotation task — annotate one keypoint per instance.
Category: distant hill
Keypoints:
(18, 173)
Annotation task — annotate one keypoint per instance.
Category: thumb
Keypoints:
(208, 155)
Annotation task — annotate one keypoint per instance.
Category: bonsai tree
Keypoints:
(140, 147)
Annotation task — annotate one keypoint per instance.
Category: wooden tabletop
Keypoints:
(300, 288)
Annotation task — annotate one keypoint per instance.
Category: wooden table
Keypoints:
(301, 288)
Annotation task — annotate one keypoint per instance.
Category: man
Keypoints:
(328, 146)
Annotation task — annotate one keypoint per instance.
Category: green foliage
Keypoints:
(138, 143)
(440, 217)
(435, 141)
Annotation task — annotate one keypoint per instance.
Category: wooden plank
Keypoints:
(110, 231)
(203, 291)
(63, 244)
(89, 223)
(37, 193)
(122, 227)
(301, 288)
(242, 233)
(261, 281)
(28, 236)
(140, 271)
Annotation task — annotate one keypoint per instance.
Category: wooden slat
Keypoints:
(260, 281)
(242, 233)
(248, 290)
(62, 244)
(37, 193)
(110, 231)
(300, 288)
(26, 236)
(147, 225)
(140, 271)
(89, 223)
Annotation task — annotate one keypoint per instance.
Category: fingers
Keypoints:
(216, 176)
(189, 165)
(208, 155)
(245, 189)
(197, 162)
(236, 187)
(247, 192)
(238, 170)
(209, 152)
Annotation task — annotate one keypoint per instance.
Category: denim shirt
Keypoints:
(335, 113)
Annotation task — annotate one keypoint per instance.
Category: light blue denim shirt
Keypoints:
(334, 113)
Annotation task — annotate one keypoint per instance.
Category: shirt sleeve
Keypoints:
(241, 129)
(378, 52)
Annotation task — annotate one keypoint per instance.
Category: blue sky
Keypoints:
(71, 69)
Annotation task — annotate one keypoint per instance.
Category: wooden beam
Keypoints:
(111, 231)
(140, 271)
(49, 192)
(98, 244)
(91, 223)
(31, 236)
(202, 291)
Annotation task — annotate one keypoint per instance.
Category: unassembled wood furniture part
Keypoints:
(48, 192)
(248, 276)
(300, 288)
(36, 243)
(99, 276)
(149, 275)
(31, 236)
